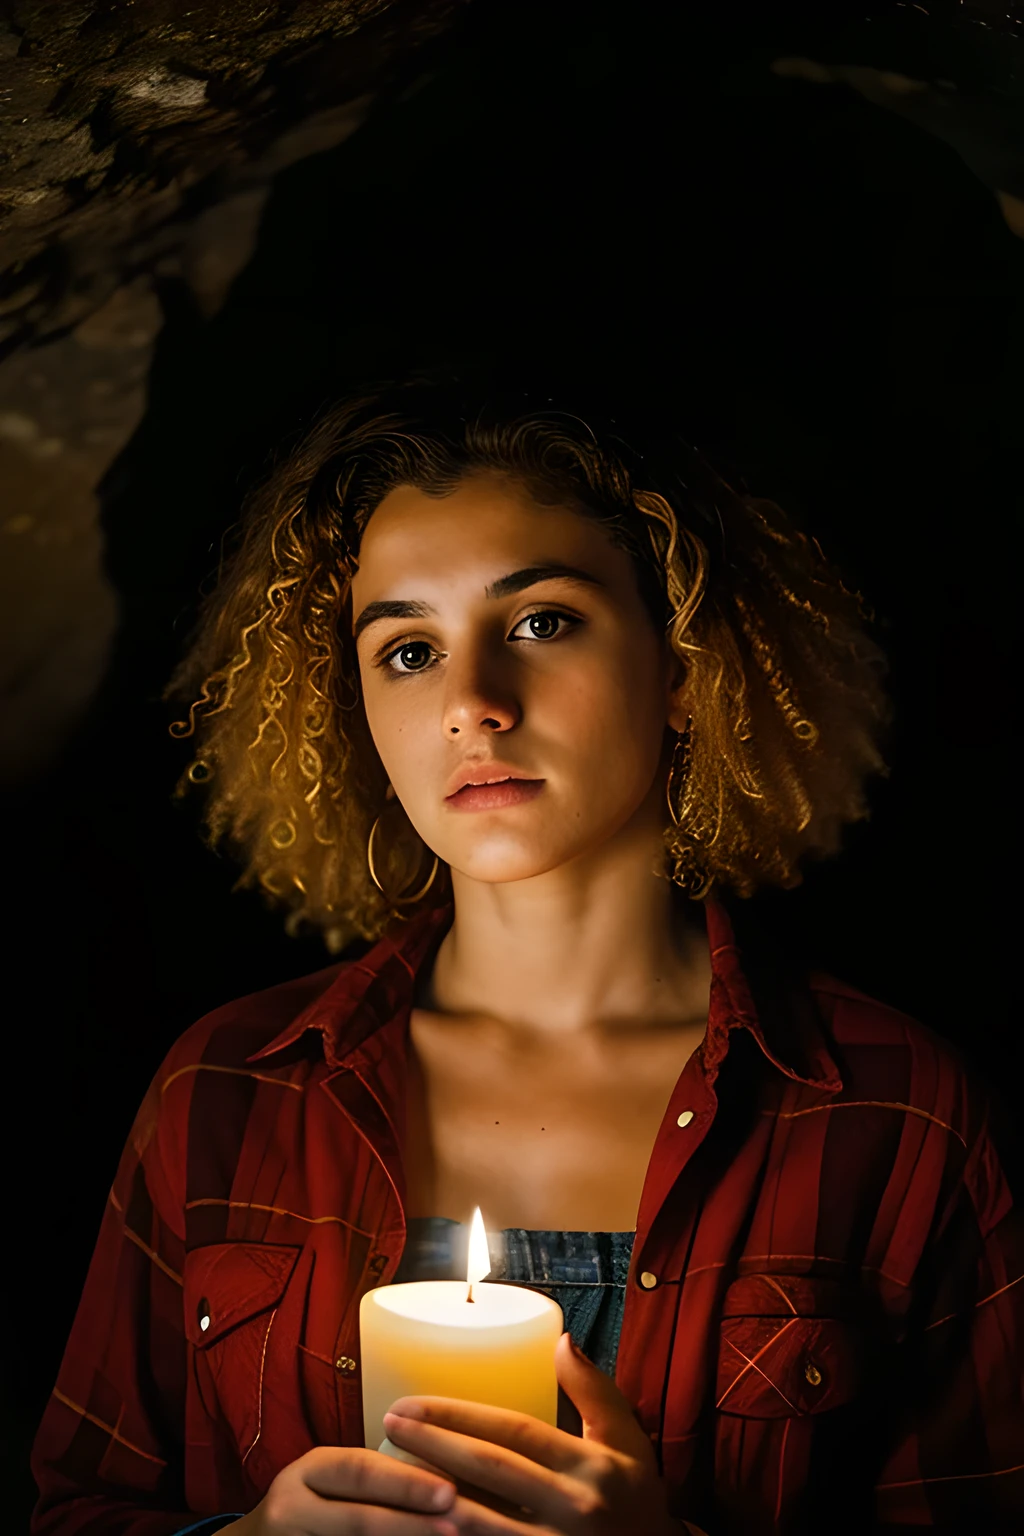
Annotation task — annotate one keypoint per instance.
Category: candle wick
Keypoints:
(469, 1293)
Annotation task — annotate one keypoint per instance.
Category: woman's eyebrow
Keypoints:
(505, 586)
(397, 608)
(530, 575)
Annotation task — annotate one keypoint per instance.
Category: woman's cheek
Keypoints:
(398, 734)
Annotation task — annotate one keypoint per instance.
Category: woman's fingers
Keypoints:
(606, 1414)
(474, 1519)
(332, 1517)
(351, 1473)
(484, 1463)
(519, 1432)
(564, 1501)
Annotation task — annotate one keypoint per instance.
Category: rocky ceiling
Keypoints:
(140, 139)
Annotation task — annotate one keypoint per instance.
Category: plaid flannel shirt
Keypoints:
(823, 1322)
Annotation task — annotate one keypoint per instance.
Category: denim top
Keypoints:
(585, 1272)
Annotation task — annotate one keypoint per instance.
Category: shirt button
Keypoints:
(344, 1363)
(685, 1118)
(204, 1315)
(812, 1374)
(648, 1281)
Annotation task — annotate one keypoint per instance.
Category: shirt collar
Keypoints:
(368, 995)
(783, 1020)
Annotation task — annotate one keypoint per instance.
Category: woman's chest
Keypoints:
(538, 1137)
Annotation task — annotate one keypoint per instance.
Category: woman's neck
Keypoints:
(610, 947)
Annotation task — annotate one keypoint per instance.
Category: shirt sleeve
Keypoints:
(957, 1457)
(108, 1455)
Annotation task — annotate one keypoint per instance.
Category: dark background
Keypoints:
(834, 300)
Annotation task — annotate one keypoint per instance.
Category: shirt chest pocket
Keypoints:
(231, 1295)
(789, 1346)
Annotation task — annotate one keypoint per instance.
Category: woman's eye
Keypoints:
(544, 625)
(413, 656)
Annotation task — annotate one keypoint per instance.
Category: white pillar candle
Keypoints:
(451, 1338)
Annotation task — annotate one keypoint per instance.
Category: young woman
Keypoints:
(521, 698)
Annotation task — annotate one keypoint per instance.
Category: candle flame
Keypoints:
(479, 1263)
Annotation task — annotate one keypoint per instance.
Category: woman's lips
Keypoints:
(494, 797)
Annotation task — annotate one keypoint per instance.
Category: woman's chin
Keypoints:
(503, 866)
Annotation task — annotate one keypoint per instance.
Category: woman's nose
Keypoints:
(476, 700)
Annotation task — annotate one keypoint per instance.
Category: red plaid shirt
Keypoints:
(823, 1321)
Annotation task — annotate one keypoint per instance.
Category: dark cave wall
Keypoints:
(828, 291)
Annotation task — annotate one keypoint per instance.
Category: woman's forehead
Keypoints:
(474, 531)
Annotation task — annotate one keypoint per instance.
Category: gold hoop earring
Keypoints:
(679, 768)
(397, 901)
(688, 871)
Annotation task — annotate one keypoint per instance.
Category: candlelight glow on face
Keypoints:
(561, 668)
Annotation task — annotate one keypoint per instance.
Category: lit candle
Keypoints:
(451, 1338)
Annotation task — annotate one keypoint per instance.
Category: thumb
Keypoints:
(606, 1413)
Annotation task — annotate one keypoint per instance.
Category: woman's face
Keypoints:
(499, 636)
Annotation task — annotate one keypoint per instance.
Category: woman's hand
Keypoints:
(343, 1491)
(606, 1484)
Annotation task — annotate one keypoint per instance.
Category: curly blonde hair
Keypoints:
(784, 684)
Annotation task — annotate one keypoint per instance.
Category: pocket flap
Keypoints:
(790, 1295)
(789, 1346)
(227, 1283)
